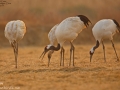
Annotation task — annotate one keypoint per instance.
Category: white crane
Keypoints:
(68, 30)
(104, 29)
(53, 42)
(14, 31)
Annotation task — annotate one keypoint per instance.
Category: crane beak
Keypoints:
(43, 54)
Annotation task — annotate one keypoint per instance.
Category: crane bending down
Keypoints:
(53, 42)
(14, 31)
(68, 30)
(104, 29)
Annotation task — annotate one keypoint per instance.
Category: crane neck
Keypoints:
(57, 48)
(96, 46)
(117, 24)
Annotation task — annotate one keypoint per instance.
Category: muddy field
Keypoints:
(34, 74)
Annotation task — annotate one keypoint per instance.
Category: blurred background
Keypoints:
(41, 15)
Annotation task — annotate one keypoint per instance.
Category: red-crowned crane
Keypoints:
(14, 31)
(68, 30)
(104, 29)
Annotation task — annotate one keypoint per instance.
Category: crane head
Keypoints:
(85, 20)
(93, 49)
(49, 47)
(91, 54)
(46, 49)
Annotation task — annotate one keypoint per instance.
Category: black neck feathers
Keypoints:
(97, 45)
(117, 24)
(55, 48)
(84, 19)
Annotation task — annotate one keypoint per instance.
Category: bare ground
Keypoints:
(34, 74)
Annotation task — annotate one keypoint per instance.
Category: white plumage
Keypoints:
(51, 36)
(68, 30)
(14, 31)
(104, 29)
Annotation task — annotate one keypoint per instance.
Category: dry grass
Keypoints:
(33, 74)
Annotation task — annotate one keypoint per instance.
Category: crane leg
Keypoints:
(16, 53)
(48, 61)
(115, 50)
(15, 48)
(49, 56)
(62, 56)
(104, 51)
(70, 56)
(71, 52)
